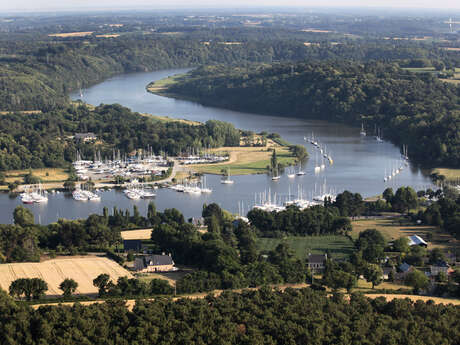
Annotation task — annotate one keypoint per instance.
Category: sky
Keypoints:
(59, 5)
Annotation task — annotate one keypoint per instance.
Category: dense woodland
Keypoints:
(45, 140)
(412, 109)
(252, 317)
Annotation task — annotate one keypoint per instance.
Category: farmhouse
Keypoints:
(316, 262)
(404, 269)
(154, 263)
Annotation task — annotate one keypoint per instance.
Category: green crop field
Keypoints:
(337, 246)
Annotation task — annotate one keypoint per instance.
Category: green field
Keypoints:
(160, 85)
(420, 69)
(337, 246)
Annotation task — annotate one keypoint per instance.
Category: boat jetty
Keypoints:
(137, 165)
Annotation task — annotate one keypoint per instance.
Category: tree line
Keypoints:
(410, 109)
(251, 317)
(46, 139)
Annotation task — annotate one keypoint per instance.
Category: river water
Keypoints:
(359, 162)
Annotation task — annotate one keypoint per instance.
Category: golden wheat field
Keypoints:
(141, 234)
(81, 269)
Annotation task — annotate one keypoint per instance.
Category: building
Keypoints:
(154, 263)
(440, 266)
(415, 240)
(85, 136)
(317, 262)
(386, 272)
(133, 245)
(404, 269)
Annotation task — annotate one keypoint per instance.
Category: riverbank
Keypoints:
(450, 175)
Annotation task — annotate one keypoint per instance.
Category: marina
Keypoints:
(357, 163)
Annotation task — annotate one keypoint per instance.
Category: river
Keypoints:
(359, 162)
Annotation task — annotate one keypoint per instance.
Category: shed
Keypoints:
(415, 240)
(134, 245)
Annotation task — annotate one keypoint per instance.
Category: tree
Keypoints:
(388, 195)
(404, 199)
(30, 288)
(68, 286)
(372, 244)
(417, 279)
(442, 277)
(31, 179)
(436, 255)
(102, 283)
(38, 287)
(337, 279)
(373, 274)
(401, 245)
(274, 161)
(391, 276)
(69, 185)
(23, 216)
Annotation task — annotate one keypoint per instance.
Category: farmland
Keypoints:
(393, 229)
(337, 246)
(82, 269)
(141, 234)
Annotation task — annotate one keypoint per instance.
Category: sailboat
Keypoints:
(379, 136)
(227, 180)
(300, 172)
(317, 167)
(363, 132)
(291, 173)
(276, 177)
(204, 188)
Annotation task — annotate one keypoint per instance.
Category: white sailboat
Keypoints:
(204, 188)
(291, 173)
(362, 132)
(379, 136)
(227, 180)
(276, 177)
(300, 172)
(317, 167)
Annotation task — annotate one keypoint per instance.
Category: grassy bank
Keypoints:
(246, 160)
(336, 246)
(160, 86)
(451, 175)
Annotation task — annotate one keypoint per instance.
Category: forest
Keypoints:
(39, 71)
(46, 139)
(410, 109)
(252, 317)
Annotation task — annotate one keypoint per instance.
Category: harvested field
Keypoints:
(414, 298)
(141, 234)
(82, 269)
(72, 34)
(45, 174)
(108, 36)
